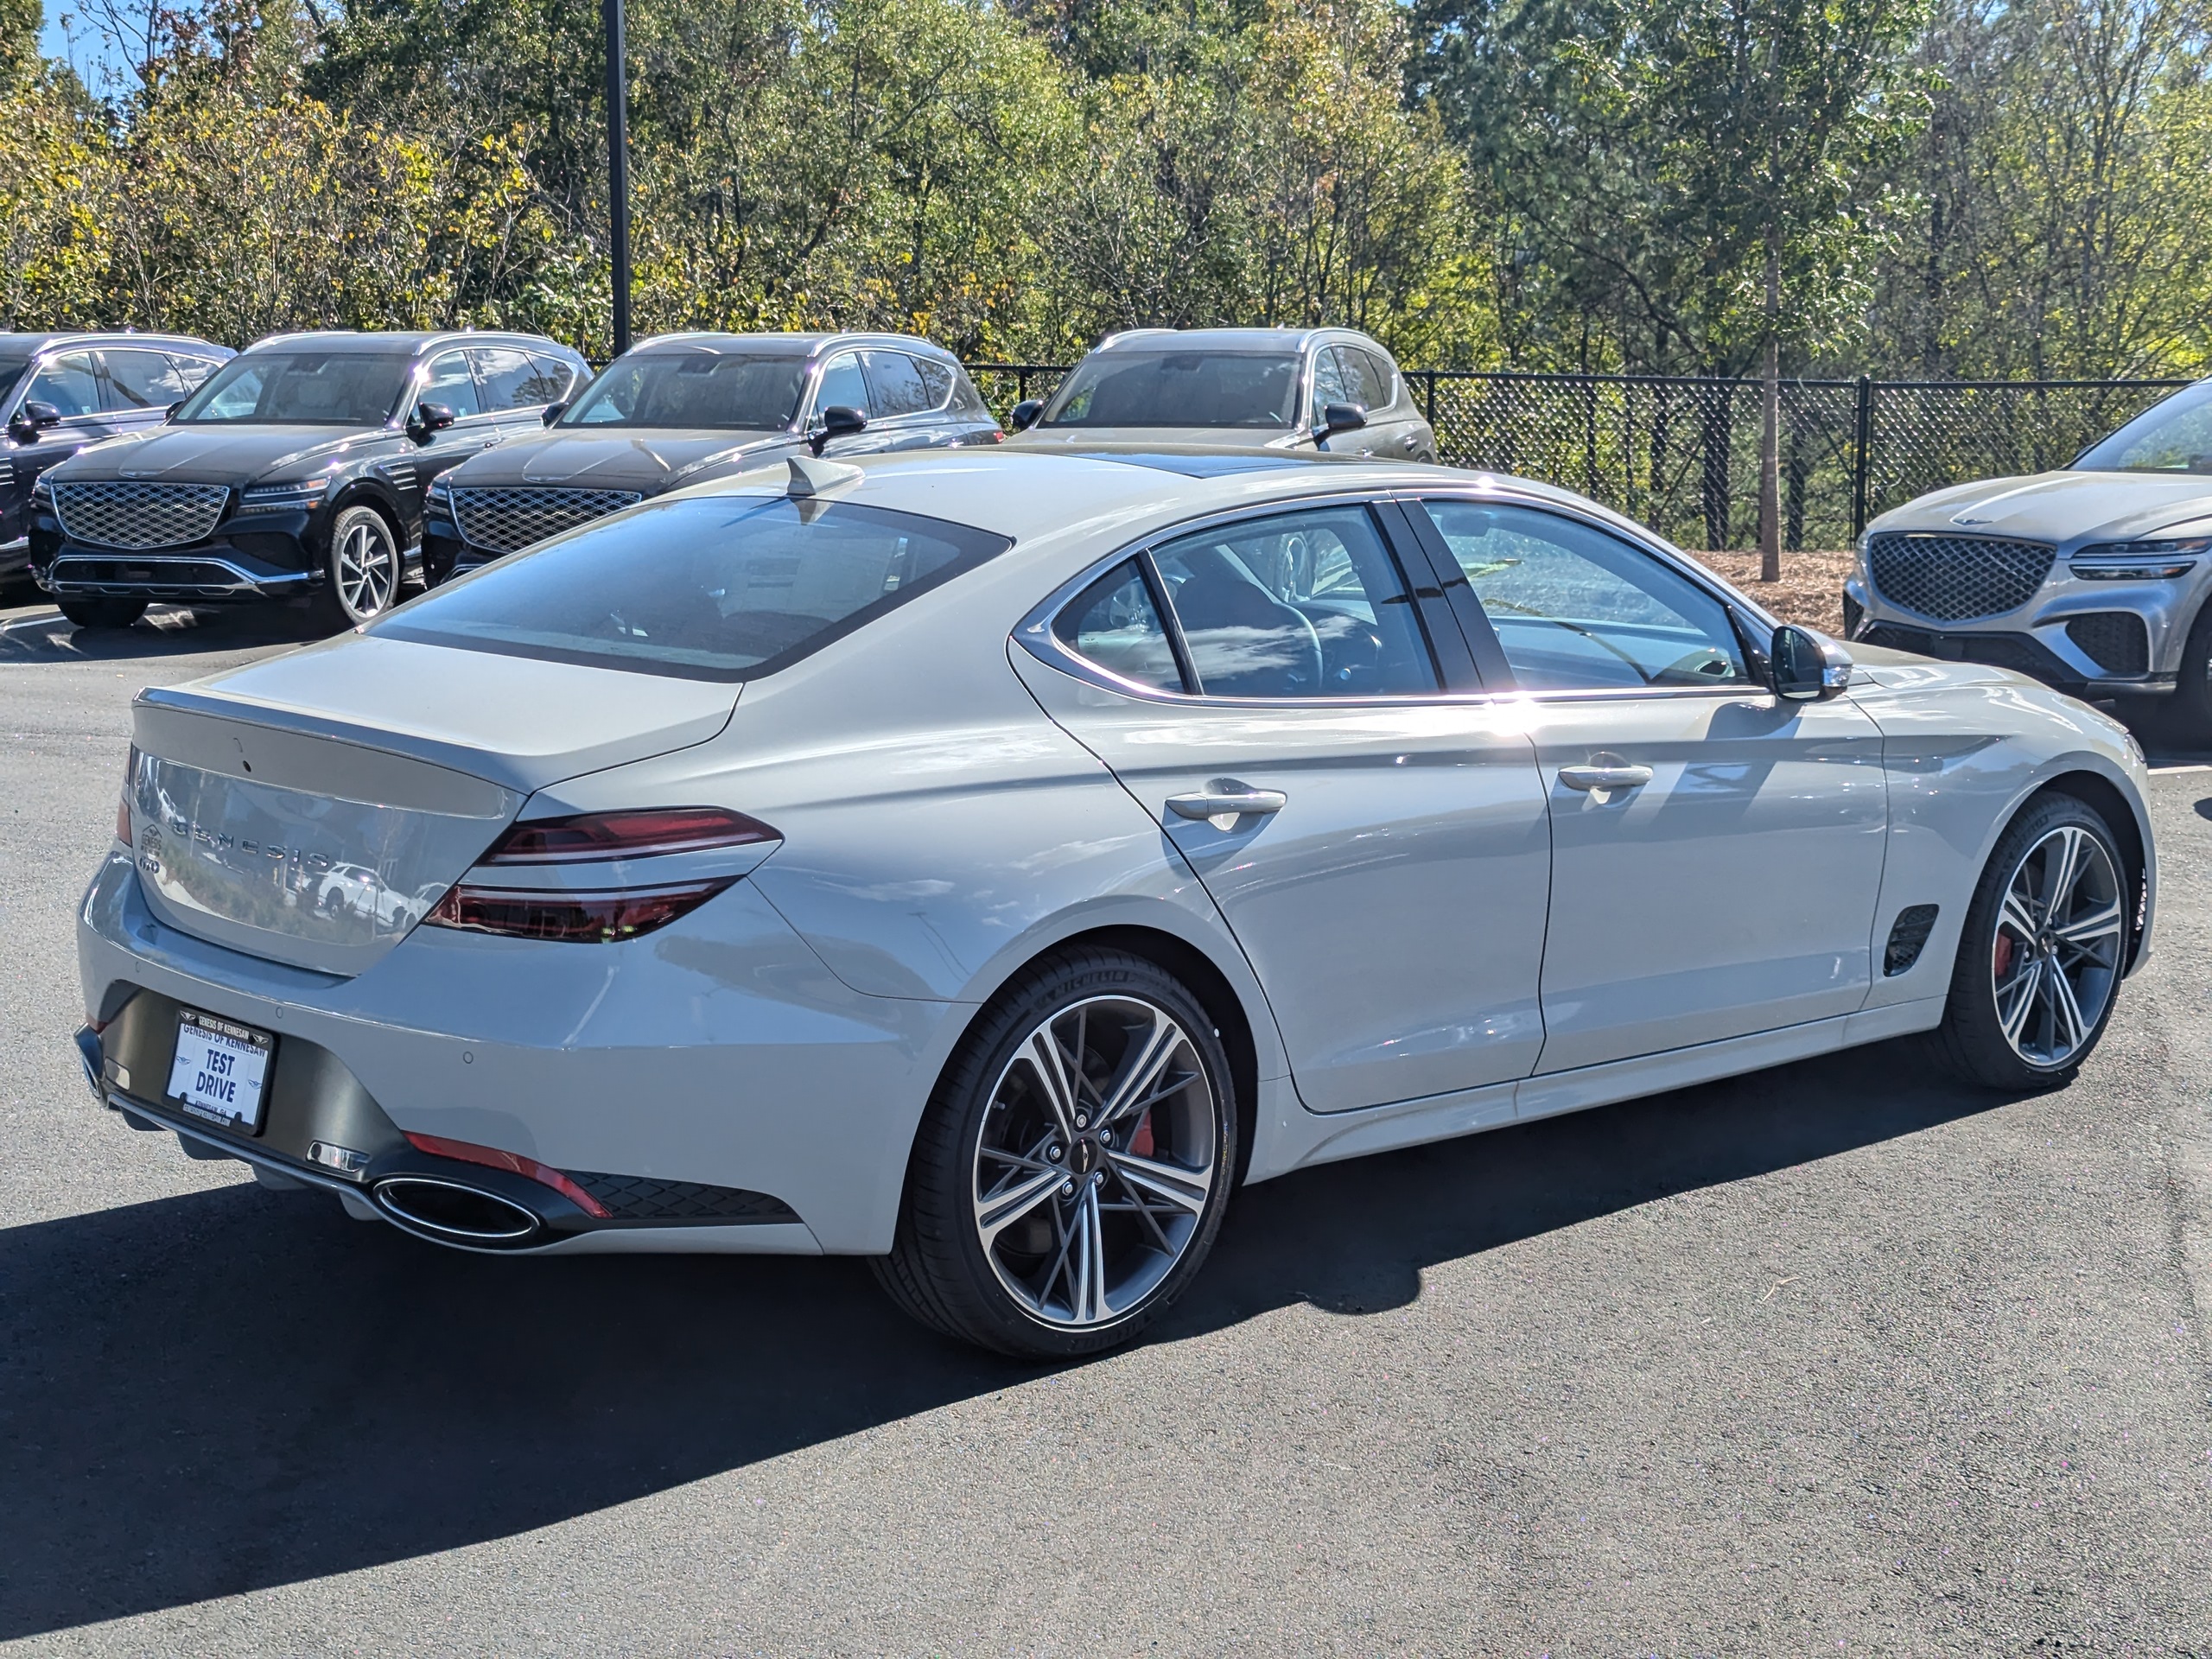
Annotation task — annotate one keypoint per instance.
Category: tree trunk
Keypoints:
(1770, 423)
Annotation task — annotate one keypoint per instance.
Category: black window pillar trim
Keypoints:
(1493, 671)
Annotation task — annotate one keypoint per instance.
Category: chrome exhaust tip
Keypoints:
(451, 1213)
(89, 1056)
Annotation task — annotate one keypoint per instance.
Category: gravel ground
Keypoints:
(1830, 1359)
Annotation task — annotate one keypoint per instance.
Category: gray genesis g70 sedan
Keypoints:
(986, 862)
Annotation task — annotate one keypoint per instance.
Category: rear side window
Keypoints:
(512, 379)
(1369, 379)
(726, 587)
(895, 385)
(1114, 624)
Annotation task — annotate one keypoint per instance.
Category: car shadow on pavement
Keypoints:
(46, 636)
(214, 1393)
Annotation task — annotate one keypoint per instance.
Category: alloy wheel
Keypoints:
(366, 568)
(2057, 955)
(1096, 1159)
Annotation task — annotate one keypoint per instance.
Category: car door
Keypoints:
(449, 380)
(1269, 689)
(1716, 852)
(1392, 431)
(842, 384)
(70, 382)
(900, 411)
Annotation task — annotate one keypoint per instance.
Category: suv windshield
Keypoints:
(1177, 389)
(716, 587)
(726, 391)
(2174, 436)
(302, 388)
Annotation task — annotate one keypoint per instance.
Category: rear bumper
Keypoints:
(711, 1085)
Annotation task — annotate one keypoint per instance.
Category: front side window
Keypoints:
(1305, 604)
(1114, 624)
(842, 386)
(705, 391)
(722, 587)
(1330, 386)
(1228, 388)
(448, 383)
(302, 388)
(140, 379)
(1575, 609)
(68, 381)
(2174, 436)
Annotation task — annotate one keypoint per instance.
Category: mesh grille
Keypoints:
(121, 514)
(639, 1198)
(1954, 578)
(2115, 641)
(504, 520)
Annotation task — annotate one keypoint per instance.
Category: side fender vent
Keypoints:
(1907, 936)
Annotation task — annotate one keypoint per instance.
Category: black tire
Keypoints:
(1989, 976)
(102, 612)
(364, 569)
(943, 1271)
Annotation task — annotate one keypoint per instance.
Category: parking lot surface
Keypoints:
(1834, 1358)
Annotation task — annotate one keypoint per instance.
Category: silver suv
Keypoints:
(1328, 389)
(2092, 578)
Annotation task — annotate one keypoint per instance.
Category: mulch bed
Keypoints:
(1810, 591)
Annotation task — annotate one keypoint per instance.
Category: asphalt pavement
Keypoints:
(1832, 1359)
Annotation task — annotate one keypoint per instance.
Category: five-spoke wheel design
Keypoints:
(2057, 951)
(1096, 1159)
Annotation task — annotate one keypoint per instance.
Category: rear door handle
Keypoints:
(1228, 801)
(1605, 777)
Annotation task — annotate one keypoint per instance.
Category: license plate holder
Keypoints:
(220, 1072)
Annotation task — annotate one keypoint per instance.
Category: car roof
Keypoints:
(415, 342)
(1223, 339)
(30, 344)
(1030, 494)
(793, 345)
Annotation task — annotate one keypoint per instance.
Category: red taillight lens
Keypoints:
(492, 1158)
(590, 836)
(576, 918)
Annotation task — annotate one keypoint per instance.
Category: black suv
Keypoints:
(60, 392)
(299, 467)
(684, 408)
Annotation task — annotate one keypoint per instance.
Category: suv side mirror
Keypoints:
(1339, 418)
(1024, 415)
(1807, 667)
(835, 422)
(428, 419)
(553, 412)
(32, 418)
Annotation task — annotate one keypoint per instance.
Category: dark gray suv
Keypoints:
(684, 408)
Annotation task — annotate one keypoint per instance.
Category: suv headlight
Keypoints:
(2139, 561)
(282, 497)
(42, 493)
(439, 498)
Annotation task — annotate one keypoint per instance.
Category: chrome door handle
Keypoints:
(1228, 803)
(1605, 777)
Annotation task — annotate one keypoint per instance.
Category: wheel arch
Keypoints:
(368, 492)
(2093, 790)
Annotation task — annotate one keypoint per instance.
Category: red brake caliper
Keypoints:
(1140, 1138)
(2001, 961)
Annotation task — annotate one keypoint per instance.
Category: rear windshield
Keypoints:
(305, 388)
(2174, 436)
(723, 391)
(726, 587)
(1177, 389)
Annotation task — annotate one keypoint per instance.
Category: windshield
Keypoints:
(2174, 436)
(719, 587)
(725, 391)
(1177, 389)
(302, 388)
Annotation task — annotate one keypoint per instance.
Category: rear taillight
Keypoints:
(572, 918)
(602, 915)
(492, 1158)
(648, 833)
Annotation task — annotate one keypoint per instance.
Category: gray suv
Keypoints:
(2092, 578)
(1328, 389)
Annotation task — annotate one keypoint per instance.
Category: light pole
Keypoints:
(618, 171)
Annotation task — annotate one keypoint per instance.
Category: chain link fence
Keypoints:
(1682, 456)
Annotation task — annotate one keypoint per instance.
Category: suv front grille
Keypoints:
(134, 516)
(1957, 578)
(501, 520)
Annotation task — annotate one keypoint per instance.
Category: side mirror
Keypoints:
(1024, 415)
(428, 419)
(1807, 667)
(1339, 418)
(32, 418)
(553, 412)
(837, 421)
